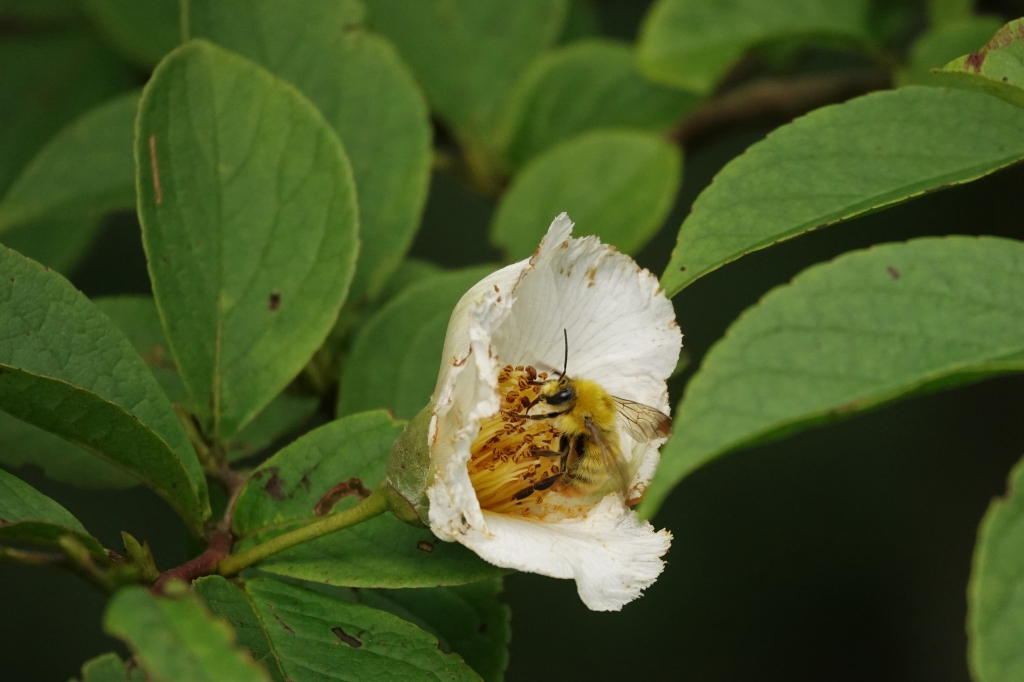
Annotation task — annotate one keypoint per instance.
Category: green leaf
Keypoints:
(995, 618)
(142, 31)
(583, 86)
(363, 90)
(248, 215)
(330, 469)
(22, 444)
(466, 619)
(692, 44)
(26, 515)
(870, 327)
(138, 319)
(233, 605)
(617, 184)
(177, 639)
(59, 244)
(840, 162)
(45, 82)
(468, 54)
(941, 44)
(86, 170)
(110, 668)
(65, 368)
(286, 414)
(288, 486)
(394, 360)
(998, 67)
(315, 636)
(411, 271)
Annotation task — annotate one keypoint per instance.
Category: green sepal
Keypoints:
(410, 472)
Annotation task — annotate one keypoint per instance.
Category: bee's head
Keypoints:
(558, 392)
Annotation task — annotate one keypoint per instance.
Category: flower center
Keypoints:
(513, 461)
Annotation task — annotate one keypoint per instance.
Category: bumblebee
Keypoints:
(590, 419)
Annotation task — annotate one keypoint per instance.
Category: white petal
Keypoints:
(466, 392)
(621, 328)
(611, 553)
(622, 331)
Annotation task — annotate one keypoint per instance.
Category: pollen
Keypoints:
(514, 459)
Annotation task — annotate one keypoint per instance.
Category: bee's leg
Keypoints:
(549, 415)
(563, 451)
(537, 487)
(546, 483)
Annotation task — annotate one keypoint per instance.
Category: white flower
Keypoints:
(622, 334)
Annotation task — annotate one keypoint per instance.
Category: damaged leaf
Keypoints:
(842, 161)
(870, 327)
(66, 368)
(331, 467)
(233, 605)
(997, 67)
(363, 89)
(467, 619)
(177, 638)
(312, 634)
(244, 191)
(110, 668)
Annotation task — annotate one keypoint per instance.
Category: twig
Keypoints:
(373, 505)
(774, 100)
(204, 564)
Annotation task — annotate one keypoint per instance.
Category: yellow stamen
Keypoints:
(505, 462)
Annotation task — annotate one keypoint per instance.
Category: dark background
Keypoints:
(842, 553)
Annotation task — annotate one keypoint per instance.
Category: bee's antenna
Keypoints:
(565, 365)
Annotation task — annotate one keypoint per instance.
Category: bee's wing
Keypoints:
(641, 422)
(613, 464)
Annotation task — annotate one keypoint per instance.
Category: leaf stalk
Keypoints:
(372, 506)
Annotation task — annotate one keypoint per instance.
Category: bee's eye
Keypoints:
(558, 398)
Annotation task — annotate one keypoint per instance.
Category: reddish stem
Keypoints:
(204, 564)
